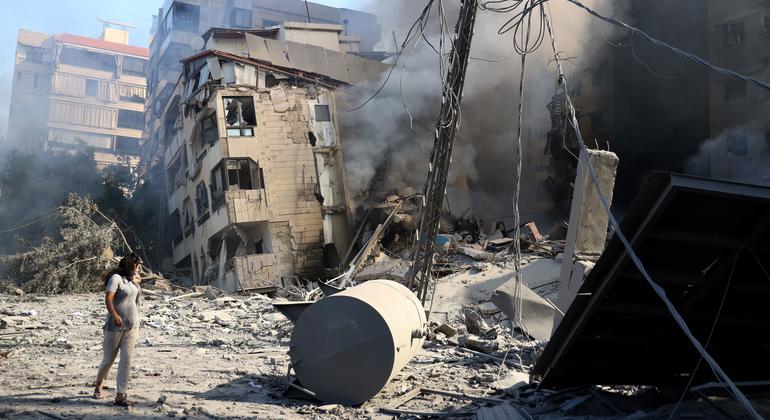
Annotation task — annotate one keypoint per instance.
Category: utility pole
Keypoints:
(441, 156)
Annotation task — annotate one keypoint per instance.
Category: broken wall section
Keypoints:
(265, 173)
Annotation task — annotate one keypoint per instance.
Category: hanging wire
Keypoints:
(719, 373)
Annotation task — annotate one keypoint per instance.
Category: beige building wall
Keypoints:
(318, 34)
(283, 214)
(63, 101)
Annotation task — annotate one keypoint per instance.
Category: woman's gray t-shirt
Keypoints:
(125, 301)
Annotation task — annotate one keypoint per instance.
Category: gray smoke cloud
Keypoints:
(384, 151)
(737, 154)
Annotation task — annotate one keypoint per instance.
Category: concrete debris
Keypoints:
(475, 253)
(519, 303)
(447, 330)
(488, 308)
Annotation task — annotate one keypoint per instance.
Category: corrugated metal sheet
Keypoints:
(279, 56)
(337, 68)
(298, 57)
(313, 59)
(257, 48)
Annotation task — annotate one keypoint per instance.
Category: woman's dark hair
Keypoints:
(125, 267)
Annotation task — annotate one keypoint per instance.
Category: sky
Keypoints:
(80, 17)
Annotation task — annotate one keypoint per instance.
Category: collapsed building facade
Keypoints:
(178, 32)
(253, 159)
(179, 25)
(72, 92)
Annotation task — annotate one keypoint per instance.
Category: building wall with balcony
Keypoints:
(255, 176)
(74, 92)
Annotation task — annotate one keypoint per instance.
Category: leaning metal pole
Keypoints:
(441, 156)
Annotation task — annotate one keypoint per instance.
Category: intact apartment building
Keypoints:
(71, 92)
(252, 157)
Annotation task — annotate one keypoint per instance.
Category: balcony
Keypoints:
(238, 206)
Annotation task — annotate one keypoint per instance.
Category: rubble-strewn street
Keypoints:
(204, 356)
(476, 209)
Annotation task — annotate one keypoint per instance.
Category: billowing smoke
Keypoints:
(732, 156)
(386, 149)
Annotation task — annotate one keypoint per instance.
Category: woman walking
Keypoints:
(121, 329)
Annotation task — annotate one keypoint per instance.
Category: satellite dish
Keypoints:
(197, 43)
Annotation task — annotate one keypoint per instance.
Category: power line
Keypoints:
(690, 56)
(720, 374)
(13, 229)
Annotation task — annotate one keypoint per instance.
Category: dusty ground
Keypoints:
(195, 357)
(226, 358)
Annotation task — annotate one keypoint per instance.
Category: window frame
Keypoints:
(243, 128)
(202, 207)
(133, 119)
(727, 33)
(327, 112)
(132, 151)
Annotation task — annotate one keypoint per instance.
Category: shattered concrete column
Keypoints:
(588, 220)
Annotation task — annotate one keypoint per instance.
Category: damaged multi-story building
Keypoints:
(252, 156)
(71, 92)
(179, 25)
(177, 33)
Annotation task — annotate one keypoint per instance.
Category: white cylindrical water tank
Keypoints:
(347, 346)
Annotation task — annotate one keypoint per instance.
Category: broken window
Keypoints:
(737, 144)
(189, 225)
(202, 202)
(185, 17)
(127, 145)
(733, 33)
(239, 116)
(735, 89)
(240, 18)
(209, 133)
(92, 87)
(236, 174)
(322, 113)
(130, 119)
(134, 66)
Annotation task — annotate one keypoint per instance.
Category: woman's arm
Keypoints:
(116, 319)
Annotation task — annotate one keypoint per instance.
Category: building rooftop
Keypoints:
(104, 45)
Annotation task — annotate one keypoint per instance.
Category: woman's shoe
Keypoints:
(122, 400)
